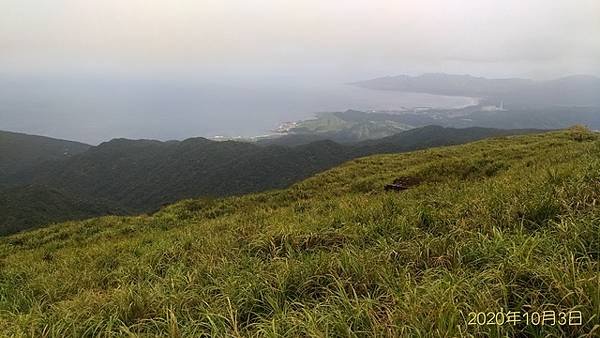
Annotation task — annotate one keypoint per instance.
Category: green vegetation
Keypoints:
(344, 127)
(19, 152)
(325, 122)
(551, 104)
(510, 223)
(143, 175)
(31, 206)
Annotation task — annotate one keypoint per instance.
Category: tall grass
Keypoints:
(509, 223)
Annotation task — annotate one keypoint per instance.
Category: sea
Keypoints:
(100, 110)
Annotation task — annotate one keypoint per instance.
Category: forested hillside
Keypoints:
(134, 176)
(20, 151)
(32, 205)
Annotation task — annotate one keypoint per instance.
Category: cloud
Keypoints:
(211, 34)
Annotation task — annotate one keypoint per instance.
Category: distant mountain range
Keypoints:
(577, 90)
(132, 176)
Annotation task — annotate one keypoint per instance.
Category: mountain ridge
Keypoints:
(573, 90)
(141, 176)
(19, 151)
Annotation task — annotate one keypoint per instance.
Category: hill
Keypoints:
(580, 90)
(31, 206)
(343, 127)
(353, 126)
(506, 224)
(436, 136)
(142, 175)
(21, 151)
(447, 84)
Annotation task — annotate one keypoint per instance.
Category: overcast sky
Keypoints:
(339, 39)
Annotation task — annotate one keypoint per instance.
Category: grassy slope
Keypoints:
(502, 223)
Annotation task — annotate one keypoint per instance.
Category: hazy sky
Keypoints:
(338, 39)
(93, 70)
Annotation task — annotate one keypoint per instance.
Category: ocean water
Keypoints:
(99, 110)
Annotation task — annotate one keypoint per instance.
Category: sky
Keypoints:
(93, 70)
(275, 39)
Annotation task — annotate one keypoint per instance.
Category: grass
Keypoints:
(324, 122)
(509, 223)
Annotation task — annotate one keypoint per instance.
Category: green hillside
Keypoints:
(344, 127)
(33, 205)
(143, 175)
(21, 151)
(505, 224)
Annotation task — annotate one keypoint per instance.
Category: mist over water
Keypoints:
(94, 110)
